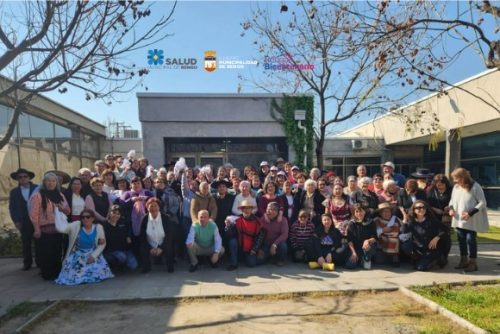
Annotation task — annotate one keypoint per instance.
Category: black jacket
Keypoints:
(357, 233)
(320, 234)
(423, 232)
(18, 206)
(405, 200)
(167, 246)
(318, 199)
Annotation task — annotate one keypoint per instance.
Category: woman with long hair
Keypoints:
(468, 212)
(340, 209)
(48, 242)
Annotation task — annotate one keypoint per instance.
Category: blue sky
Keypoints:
(198, 27)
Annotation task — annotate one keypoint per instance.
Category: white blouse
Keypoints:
(77, 205)
(154, 231)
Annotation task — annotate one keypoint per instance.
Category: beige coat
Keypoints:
(200, 202)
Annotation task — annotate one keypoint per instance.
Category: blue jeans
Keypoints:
(251, 260)
(365, 255)
(467, 238)
(120, 258)
(281, 251)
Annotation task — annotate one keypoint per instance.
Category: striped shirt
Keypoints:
(301, 234)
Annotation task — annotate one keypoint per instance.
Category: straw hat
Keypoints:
(246, 204)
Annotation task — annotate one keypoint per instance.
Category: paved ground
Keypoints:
(17, 286)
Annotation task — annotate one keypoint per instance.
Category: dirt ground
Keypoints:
(387, 313)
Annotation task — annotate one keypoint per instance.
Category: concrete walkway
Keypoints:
(17, 286)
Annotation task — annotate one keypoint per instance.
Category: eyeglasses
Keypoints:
(420, 208)
(86, 217)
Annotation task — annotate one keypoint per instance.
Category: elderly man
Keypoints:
(204, 239)
(18, 208)
(388, 168)
(276, 234)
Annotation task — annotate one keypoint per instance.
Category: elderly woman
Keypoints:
(468, 211)
(352, 185)
(48, 242)
(368, 199)
(340, 208)
(390, 193)
(98, 201)
(122, 187)
(314, 174)
(326, 245)
(269, 196)
(276, 234)
(388, 226)
(156, 237)
(424, 237)
(361, 239)
(323, 188)
(109, 179)
(245, 194)
(301, 233)
(311, 201)
(84, 262)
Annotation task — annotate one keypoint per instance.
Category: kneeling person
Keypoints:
(204, 239)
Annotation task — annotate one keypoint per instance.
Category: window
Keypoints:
(90, 146)
(487, 145)
(5, 115)
(36, 132)
(67, 140)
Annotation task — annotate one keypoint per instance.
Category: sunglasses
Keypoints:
(86, 217)
(419, 207)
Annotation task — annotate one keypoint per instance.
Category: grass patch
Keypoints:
(493, 235)
(11, 245)
(478, 304)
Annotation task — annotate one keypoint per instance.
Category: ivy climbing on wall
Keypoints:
(284, 112)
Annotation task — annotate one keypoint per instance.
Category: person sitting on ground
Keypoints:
(340, 208)
(423, 237)
(301, 233)
(326, 247)
(204, 239)
(245, 237)
(390, 193)
(275, 227)
(361, 238)
(156, 237)
(224, 202)
(84, 262)
(388, 226)
(288, 200)
(117, 252)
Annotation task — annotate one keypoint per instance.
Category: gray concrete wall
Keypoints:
(122, 146)
(203, 115)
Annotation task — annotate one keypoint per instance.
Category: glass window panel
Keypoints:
(481, 146)
(486, 172)
(8, 164)
(67, 139)
(36, 132)
(5, 115)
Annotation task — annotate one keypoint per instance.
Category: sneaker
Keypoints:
(232, 267)
(367, 265)
(192, 268)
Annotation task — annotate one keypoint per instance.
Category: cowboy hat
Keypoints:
(65, 176)
(217, 183)
(14, 175)
(246, 204)
(383, 206)
(422, 173)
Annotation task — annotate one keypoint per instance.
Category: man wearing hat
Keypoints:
(245, 237)
(388, 168)
(18, 208)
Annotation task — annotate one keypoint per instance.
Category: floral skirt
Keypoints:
(76, 270)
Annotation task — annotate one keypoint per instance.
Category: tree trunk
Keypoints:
(319, 148)
(12, 126)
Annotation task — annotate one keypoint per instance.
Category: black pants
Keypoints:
(49, 254)
(27, 240)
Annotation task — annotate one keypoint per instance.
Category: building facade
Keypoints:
(211, 128)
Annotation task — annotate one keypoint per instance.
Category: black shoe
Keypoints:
(214, 265)
(192, 268)
(145, 270)
(26, 268)
(232, 267)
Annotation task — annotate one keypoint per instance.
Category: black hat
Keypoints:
(215, 184)
(14, 175)
(422, 173)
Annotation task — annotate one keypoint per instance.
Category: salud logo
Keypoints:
(210, 61)
(155, 57)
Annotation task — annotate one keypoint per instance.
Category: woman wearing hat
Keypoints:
(388, 226)
(423, 176)
(244, 195)
(48, 241)
(18, 209)
(245, 237)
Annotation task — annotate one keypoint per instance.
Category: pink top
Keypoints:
(44, 220)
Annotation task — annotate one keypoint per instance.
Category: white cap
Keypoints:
(295, 168)
(281, 173)
(389, 164)
(264, 163)
(274, 168)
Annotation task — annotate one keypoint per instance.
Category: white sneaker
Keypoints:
(367, 265)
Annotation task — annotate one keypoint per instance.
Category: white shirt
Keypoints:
(77, 205)
(154, 231)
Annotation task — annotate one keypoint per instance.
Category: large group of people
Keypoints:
(125, 215)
